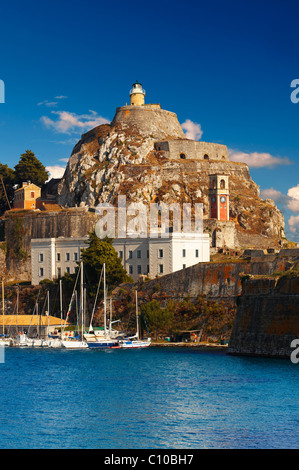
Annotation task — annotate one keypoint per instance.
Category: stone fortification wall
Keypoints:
(148, 121)
(218, 281)
(267, 317)
(20, 230)
(222, 233)
(190, 149)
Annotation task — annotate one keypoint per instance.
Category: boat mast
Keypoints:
(17, 307)
(110, 321)
(48, 310)
(60, 291)
(105, 312)
(3, 307)
(137, 323)
(81, 296)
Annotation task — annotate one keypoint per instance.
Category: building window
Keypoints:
(58, 256)
(147, 254)
(58, 272)
(41, 272)
(222, 184)
(160, 253)
(196, 254)
(139, 254)
(130, 269)
(184, 253)
(32, 195)
(147, 268)
(120, 253)
(67, 256)
(184, 266)
(206, 157)
(139, 269)
(160, 268)
(68, 270)
(130, 254)
(75, 256)
(183, 156)
(41, 257)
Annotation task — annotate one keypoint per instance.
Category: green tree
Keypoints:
(8, 177)
(101, 251)
(155, 318)
(31, 169)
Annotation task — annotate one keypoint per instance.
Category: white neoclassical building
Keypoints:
(156, 256)
(53, 257)
(152, 256)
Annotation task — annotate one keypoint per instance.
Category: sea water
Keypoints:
(156, 398)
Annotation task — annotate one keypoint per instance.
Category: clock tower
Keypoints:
(219, 197)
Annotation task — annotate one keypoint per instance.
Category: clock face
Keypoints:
(223, 199)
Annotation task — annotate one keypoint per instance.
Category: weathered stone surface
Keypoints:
(267, 317)
(74, 223)
(220, 281)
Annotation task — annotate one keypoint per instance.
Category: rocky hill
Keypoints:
(122, 158)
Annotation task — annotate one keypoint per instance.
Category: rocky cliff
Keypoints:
(121, 159)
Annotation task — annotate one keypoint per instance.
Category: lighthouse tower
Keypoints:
(219, 197)
(137, 94)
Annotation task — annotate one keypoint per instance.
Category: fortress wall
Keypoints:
(218, 281)
(190, 149)
(222, 233)
(267, 317)
(74, 223)
(149, 121)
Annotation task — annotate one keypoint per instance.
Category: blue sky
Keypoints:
(225, 66)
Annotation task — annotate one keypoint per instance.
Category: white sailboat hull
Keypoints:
(134, 343)
(69, 344)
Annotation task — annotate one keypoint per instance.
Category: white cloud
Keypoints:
(192, 130)
(294, 224)
(68, 123)
(257, 160)
(60, 97)
(289, 202)
(272, 193)
(47, 103)
(294, 192)
(55, 171)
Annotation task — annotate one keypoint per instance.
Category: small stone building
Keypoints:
(26, 197)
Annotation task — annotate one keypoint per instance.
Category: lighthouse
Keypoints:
(137, 94)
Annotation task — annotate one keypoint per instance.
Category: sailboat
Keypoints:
(135, 341)
(23, 339)
(56, 342)
(104, 340)
(73, 343)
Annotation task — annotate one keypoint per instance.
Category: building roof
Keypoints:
(30, 320)
(27, 186)
(50, 206)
